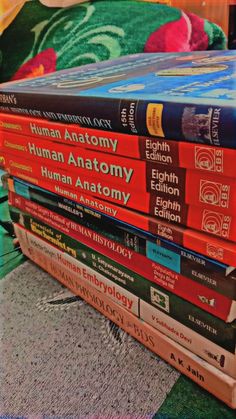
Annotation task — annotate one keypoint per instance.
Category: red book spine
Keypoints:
(180, 285)
(201, 372)
(221, 250)
(174, 153)
(34, 173)
(123, 171)
(170, 183)
(206, 220)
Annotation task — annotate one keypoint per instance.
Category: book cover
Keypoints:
(138, 94)
(44, 253)
(221, 385)
(163, 151)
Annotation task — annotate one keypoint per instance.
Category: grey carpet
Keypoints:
(60, 357)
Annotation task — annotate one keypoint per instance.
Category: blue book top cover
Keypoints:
(185, 96)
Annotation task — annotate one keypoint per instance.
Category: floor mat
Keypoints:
(61, 358)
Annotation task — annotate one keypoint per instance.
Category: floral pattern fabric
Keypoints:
(43, 39)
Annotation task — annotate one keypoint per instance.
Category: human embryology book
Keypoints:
(177, 95)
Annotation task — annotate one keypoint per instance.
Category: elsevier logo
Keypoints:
(160, 299)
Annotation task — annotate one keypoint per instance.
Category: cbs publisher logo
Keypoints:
(216, 223)
(208, 159)
(214, 193)
(215, 252)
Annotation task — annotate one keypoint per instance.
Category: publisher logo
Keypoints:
(154, 119)
(209, 301)
(216, 223)
(159, 299)
(214, 193)
(219, 359)
(214, 251)
(208, 159)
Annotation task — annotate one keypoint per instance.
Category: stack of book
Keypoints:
(122, 186)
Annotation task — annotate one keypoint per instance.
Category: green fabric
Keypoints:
(9, 257)
(3, 192)
(189, 401)
(99, 30)
(80, 34)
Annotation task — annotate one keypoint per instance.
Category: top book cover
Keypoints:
(181, 96)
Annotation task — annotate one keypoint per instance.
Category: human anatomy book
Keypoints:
(204, 158)
(183, 96)
(163, 192)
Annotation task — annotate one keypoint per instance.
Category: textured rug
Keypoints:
(61, 359)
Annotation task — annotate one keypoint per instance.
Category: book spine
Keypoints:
(72, 134)
(168, 192)
(209, 221)
(39, 250)
(178, 154)
(186, 288)
(132, 241)
(131, 116)
(218, 249)
(113, 193)
(214, 329)
(32, 246)
(113, 215)
(210, 378)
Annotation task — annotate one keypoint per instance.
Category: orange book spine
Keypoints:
(199, 157)
(221, 250)
(207, 376)
(177, 184)
(171, 203)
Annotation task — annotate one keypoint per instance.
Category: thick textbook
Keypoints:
(201, 372)
(40, 250)
(203, 158)
(186, 96)
(209, 272)
(173, 190)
